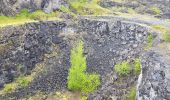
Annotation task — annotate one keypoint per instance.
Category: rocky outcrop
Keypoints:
(107, 42)
(11, 7)
(154, 81)
(24, 46)
(141, 6)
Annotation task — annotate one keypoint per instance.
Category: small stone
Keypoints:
(135, 45)
(124, 42)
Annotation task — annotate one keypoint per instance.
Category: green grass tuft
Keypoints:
(137, 64)
(167, 36)
(165, 32)
(122, 68)
(155, 10)
(78, 78)
(25, 16)
(19, 82)
(84, 98)
(85, 7)
(149, 40)
(132, 94)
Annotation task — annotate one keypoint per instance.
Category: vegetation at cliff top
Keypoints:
(78, 78)
(85, 7)
(165, 32)
(25, 16)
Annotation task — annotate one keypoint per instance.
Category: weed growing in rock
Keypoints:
(78, 78)
(122, 68)
(155, 10)
(84, 98)
(23, 81)
(125, 67)
(11, 98)
(165, 32)
(132, 94)
(137, 66)
(149, 40)
(9, 87)
(19, 82)
(167, 36)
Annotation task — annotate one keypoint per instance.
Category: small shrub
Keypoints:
(40, 15)
(167, 36)
(137, 66)
(86, 7)
(64, 9)
(165, 32)
(155, 10)
(150, 40)
(131, 11)
(122, 68)
(8, 87)
(132, 94)
(23, 81)
(19, 82)
(84, 98)
(78, 78)
(23, 14)
(11, 98)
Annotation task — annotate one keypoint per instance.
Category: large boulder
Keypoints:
(11, 7)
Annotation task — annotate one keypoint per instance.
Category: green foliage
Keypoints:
(137, 64)
(26, 16)
(23, 81)
(19, 82)
(78, 78)
(159, 27)
(86, 7)
(155, 10)
(84, 98)
(11, 98)
(167, 36)
(64, 9)
(122, 68)
(125, 67)
(37, 15)
(149, 40)
(165, 32)
(23, 14)
(8, 87)
(132, 94)
(67, 10)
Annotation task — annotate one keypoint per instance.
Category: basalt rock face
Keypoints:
(12, 7)
(154, 81)
(107, 42)
(24, 46)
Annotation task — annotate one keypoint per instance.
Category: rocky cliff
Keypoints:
(107, 42)
(41, 51)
